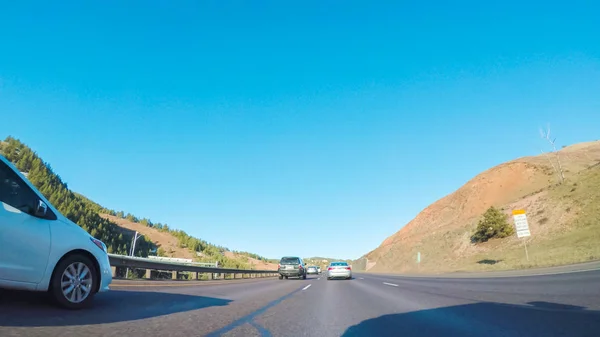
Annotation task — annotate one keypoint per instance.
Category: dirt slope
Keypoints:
(257, 264)
(441, 231)
(166, 241)
(170, 244)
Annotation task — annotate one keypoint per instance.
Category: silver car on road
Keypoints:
(339, 270)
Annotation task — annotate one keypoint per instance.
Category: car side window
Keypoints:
(15, 192)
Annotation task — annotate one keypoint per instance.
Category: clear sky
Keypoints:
(292, 127)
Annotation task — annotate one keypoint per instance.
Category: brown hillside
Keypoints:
(164, 240)
(442, 230)
(170, 244)
(256, 264)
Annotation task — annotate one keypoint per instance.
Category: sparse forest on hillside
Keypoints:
(85, 212)
(77, 209)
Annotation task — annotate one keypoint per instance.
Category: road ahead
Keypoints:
(368, 305)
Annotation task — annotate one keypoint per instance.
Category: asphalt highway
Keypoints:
(368, 305)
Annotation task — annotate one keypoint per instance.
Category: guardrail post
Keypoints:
(114, 271)
(196, 276)
(175, 275)
(148, 273)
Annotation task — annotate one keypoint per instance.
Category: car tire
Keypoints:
(281, 277)
(304, 277)
(88, 276)
(286, 277)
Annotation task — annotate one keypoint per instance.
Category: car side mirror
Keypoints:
(41, 209)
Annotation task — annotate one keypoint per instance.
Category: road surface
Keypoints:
(368, 305)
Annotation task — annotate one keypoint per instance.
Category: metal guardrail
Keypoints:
(185, 261)
(143, 263)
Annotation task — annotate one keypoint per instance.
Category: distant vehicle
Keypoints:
(339, 270)
(42, 250)
(312, 270)
(291, 266)
(319, 270)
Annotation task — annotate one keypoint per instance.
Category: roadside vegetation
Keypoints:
(494, 224)
(87, 214)
(560, 192)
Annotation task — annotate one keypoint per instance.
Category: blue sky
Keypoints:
(285, 128)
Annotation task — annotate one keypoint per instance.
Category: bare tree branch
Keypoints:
(546, 136)
(551, 163)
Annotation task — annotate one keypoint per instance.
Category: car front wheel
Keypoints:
(73, 282)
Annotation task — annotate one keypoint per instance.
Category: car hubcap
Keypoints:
(76, 282)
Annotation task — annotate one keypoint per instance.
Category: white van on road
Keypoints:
(42, 250)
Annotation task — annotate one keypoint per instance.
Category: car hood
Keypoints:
(73, 226)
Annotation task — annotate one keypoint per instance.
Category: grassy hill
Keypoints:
(564, 219)
(116, 228)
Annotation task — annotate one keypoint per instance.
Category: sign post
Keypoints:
(522, 227)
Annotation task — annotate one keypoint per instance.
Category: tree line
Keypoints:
(70, 204)
(86, 213)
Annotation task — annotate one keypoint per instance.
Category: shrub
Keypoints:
(494, 224)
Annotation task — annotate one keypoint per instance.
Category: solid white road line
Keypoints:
(390, 284)
(308, 286)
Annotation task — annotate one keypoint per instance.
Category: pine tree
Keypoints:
(494, 224)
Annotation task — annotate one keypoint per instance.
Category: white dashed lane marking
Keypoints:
(308, 286)
(390, 284)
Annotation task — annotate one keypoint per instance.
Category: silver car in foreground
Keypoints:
(339, 270)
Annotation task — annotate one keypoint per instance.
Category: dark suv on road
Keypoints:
(291, 266)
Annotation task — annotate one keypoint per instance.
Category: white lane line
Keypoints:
(308, 286)
(361, 278)
(318, 278)
(390, 284)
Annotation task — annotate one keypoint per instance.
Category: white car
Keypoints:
(42, 250)
(339, 270)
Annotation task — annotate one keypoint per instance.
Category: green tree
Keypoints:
(85, 212)
(75, 207)
(494, 224)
